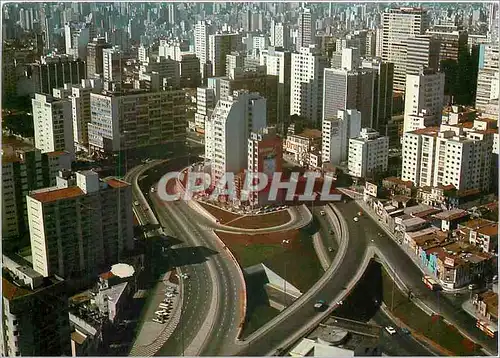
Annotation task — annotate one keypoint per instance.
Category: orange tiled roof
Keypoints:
(117, 183)
(489, 230)
(58, 194)
(428, 130)
(11, 291)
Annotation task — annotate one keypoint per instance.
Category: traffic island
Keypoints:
(290, 254)
(261, 221)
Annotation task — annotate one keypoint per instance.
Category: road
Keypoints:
(411, 275)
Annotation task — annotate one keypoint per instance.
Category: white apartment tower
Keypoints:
(227, 131)
(75, 229)
(344, 89)
(368, 154)
(306, 29)
(448, 155)
(112, 64)
(487, 78)
(280, 35)
(80, 108)
(306, 87)
(205, 103)
(52, 123)
(398, 25)
(424, 99)
(335, 134)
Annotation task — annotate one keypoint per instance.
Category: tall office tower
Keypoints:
(351, 58)
(452, 40)
(280, 35)
(118, 37)
(306, 30)
(379, 41)
(349, 90)
(371, 44)
(382, 92)
(399, 25)
(306, 85)
(189, 70)
(228, 129)
(76, 36)
(201, 44)
(448, 155)
(112, 66)
(368, 154)
(336, 132)
(121, 121)
(234, 60)
(279, 63)
(221, 45)
(422, 51)
(164, 70)
(247, 21)
(265, 155)
(78, 229)
(205, 103)
(25, 168)
(52, 123)
(95, 57)
(35, 313)
(487, 78)
(493, 22)
(55, 71)
(80, 108)
(424, 100)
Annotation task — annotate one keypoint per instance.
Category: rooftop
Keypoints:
(451, 215)
(54, 194)
(429, 131)
(489, 230)
(117, 183)
(398, 181)
(311, 133)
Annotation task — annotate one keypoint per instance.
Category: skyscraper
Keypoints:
(221, 45)
(424, 99)
(487, 78)
(306, 29)
(306, 86)
(95, 56)
(345, 89)
(201, 32)
(398, 25)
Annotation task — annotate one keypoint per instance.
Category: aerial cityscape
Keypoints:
(250, 179)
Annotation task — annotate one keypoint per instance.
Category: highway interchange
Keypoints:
(185, 223)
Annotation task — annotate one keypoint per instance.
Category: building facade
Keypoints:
(368, 154)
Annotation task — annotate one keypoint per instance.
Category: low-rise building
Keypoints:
(448, 220)
(481, 233)
(300, 145)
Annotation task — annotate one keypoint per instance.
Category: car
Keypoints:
(356, 219)
(136, 203)
(472, 286)
(390, 330)
(169, 295)
(405, 330)
(332, 232)
(320, 305)
(322, 213)
(330, 249)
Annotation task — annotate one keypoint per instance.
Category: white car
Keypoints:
(390, 330)
(356, 219)
(136, 203)
(322, 213)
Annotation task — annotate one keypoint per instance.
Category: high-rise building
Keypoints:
(399, 25)
(368, 154)
(335, 134)
(487, 78)
(422, 51)
(280, 35)
(452, 40)
(81, 225)
(205, 103)
(306, 29)
(201, 44)
(76, 37)
(166, 71)
(345, 89)
(227, 132)
(55, 71)
(52, 123)
(265, 155)
(134, 119)
(221, 45)
(279, 63)
(351, 58)
(25, 168)
(95, 57)
(424, 99)
(451, 154)
(35, 313)
(382, 92)
(306, 85)
(80, 108)
(234, 60)
(112, 66)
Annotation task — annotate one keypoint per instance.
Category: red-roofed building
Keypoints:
(92, 221)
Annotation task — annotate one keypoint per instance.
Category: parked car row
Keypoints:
(166, 306)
